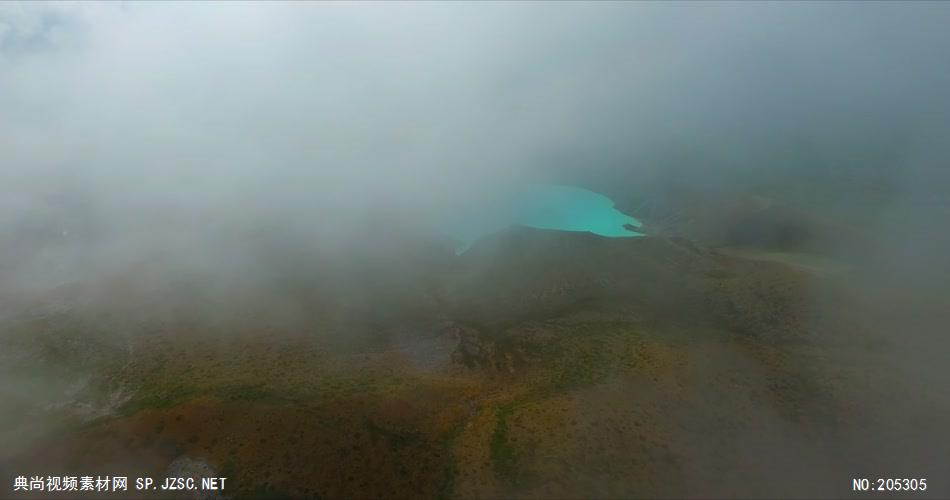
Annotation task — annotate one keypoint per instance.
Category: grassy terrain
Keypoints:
(652, 369)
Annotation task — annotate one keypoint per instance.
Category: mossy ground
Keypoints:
(610, 394)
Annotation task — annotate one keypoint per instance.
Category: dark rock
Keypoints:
(473, 349)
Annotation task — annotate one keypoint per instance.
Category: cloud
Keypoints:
(242, 109)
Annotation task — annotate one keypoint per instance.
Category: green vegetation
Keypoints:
(395, 439)
(502, 453)
(544, 380)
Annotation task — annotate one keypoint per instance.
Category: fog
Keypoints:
(210, 134)
(294, 111)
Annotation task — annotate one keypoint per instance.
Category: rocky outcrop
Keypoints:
(476, 349)
(472, 350)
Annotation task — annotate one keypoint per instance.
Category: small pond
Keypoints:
(561, 208)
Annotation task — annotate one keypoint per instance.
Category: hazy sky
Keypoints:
(245, 108)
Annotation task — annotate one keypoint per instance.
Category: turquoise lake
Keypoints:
(561, 208)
